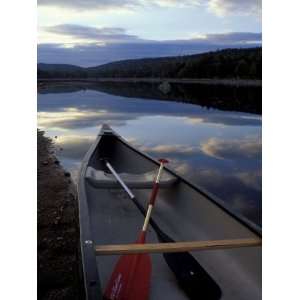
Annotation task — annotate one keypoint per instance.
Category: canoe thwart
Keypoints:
(102, 179)
(176, 246)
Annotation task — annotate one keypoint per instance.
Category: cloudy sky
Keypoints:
(94, 32)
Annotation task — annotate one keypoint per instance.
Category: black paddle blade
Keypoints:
(193, 279)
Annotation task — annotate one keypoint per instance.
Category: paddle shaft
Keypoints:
(163, 237)
(119, 179)
(153, 197)
(130, 279)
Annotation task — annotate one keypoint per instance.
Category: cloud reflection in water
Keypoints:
(218, 150)
(233, 149)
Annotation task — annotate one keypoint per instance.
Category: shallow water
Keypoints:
(219, 150)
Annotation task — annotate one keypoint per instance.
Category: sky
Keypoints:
(95, 32)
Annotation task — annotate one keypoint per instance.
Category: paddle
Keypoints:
(130, 279)
(190, 275)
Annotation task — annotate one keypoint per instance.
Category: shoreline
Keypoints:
(223, 97)
(204, 81)
(58, 237)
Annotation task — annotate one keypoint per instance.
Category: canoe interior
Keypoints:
(181, 211)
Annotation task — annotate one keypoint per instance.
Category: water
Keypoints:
(219, 150)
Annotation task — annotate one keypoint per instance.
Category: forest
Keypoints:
(221, 64)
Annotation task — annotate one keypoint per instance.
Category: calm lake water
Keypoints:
(219, 150)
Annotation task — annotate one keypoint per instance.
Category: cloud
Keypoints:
(251, 179)
(218, 7)
(248, 148)
(119, 35)
(92, 34)
(235, 7)
(222, 119)
(173, 149)
(60, 99)
(91, 46)
(176, 3)
(231, 38)
(233, 149)
(70, 118)
(74, 146)
(241, 191)
(90, 4)
(182, 167)
(118, 4)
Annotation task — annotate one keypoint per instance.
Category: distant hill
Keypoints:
(58, 67)
(228, 63)
(59, 70)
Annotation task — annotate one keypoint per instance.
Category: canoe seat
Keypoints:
(101, 179)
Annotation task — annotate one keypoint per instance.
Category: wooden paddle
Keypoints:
(190, 275)
(130, 279)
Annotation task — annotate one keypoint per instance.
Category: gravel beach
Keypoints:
(59, 259)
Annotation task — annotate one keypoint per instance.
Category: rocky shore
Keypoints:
(59, 259)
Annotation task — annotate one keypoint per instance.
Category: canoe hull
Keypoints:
(184, 211)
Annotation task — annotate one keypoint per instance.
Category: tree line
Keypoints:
(227, 63)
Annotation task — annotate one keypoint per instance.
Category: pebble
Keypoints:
(45, 162)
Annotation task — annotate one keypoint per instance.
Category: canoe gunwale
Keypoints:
(92, 281)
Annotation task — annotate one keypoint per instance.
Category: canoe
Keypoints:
(183, 210)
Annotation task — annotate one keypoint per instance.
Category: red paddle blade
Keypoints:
(130, 279)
